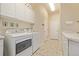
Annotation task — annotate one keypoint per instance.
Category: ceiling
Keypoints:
(46, 5)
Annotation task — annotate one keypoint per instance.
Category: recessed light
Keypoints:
(52, 6)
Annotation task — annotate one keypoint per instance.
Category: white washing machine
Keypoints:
(18, 44)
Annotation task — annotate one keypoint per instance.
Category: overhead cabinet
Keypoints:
(8, 9)
(20, 11)
(73, 48)
(29, 13)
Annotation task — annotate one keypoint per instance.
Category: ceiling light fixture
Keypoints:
(52, 6)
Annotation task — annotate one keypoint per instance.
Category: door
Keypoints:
(73, 48)
(54, 26)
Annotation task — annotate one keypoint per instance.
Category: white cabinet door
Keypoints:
(73, 48)
(8, 9)
(3, 9)
(11, 9)
(20, 11)
(17, 10)
(1, 47)
(29, 13)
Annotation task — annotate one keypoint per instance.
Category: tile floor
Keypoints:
(49, 48)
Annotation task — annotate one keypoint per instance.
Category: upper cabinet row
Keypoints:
(20, 11)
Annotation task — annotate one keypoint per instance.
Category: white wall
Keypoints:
(70, 12)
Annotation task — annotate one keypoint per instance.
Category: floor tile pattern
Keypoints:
(49, 48)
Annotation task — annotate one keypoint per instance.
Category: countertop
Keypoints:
(17, 34)
(71, 36)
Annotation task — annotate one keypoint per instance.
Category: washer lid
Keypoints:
(18, 34)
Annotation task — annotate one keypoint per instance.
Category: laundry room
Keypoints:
(19, 20)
